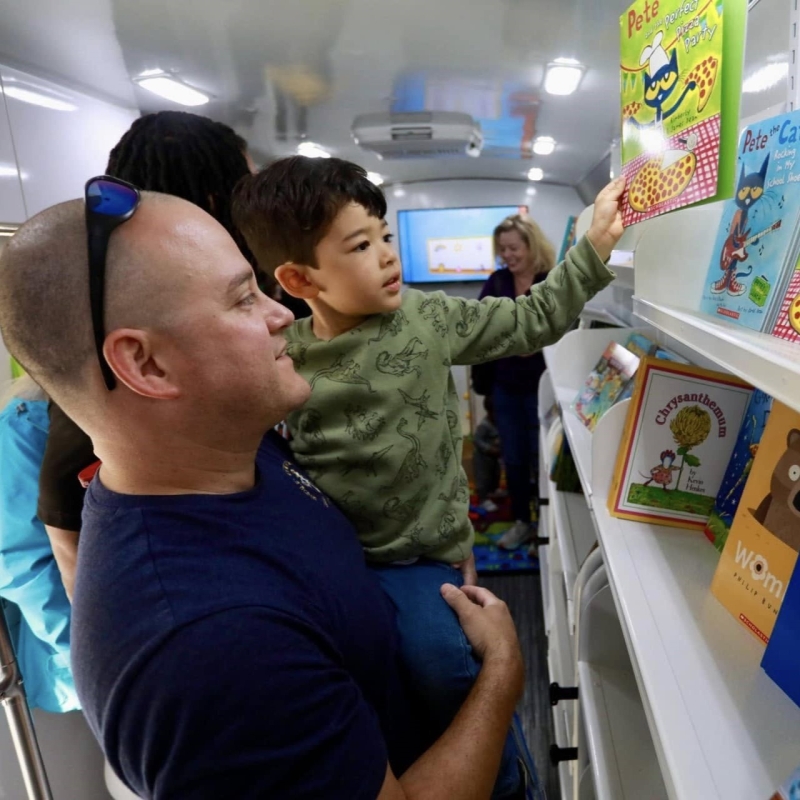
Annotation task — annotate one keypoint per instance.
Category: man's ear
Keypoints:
(132, 358)
(296, 281)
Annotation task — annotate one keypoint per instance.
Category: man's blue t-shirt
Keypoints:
(236, 645)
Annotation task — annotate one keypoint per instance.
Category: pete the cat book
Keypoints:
(680, 73)
(739, 467)
(605, 384)
(756, 246)
(761, 551)
(681, 427)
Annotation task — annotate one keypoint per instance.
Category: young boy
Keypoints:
(381, 433)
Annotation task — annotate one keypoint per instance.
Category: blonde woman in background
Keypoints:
(526, 256)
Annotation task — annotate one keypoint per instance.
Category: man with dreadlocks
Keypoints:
(172, 152)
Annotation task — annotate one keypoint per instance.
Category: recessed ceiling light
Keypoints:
(312, 150)
(563, 76)
(766, 77)
(535, 174)
(375, 177)
(172, 89)
(530, 191)
(544, 145)
(37, 99)
(399, 191)
(8, 171)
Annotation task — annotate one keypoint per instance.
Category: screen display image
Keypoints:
(439, 245)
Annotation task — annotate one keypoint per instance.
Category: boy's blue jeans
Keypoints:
(437, 652)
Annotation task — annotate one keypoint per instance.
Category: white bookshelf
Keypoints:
(720, 727)
(576, 535)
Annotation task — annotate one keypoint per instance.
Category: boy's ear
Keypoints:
(294, 280)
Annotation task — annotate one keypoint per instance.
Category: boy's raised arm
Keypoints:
(484, 330)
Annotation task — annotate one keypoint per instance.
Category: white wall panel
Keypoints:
(61, 137)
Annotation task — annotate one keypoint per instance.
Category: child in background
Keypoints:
(486, 458)
(381, 433)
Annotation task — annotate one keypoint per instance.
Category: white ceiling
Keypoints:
(341, 58)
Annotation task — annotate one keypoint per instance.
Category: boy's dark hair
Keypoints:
(186, 155)
(287, 209)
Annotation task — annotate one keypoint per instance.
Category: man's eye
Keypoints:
(248, 301)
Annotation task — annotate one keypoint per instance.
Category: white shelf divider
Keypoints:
(768, 363)
(723, 730)
(576, 535)
(624, 761)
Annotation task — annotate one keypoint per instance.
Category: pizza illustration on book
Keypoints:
(662, 178)
(704, 76)
(631, 110)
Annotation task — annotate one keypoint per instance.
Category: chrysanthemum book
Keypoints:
(681, 428)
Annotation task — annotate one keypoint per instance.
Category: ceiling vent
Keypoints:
(422, 134)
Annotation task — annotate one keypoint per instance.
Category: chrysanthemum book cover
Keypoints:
(681, 428)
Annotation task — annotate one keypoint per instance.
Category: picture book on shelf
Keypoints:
(680, 430)
(744, 453)
(787, 322)
(757, 242)
(789, 789)
(605, 383)
(636, 344)
(680, 72)
(639, 345)
(569, 237)
(782, 656)
(761, 551)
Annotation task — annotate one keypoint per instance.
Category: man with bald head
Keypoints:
(228, 640)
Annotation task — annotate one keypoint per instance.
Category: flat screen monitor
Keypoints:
(439, 245)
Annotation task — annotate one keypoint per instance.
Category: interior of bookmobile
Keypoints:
(640, 682)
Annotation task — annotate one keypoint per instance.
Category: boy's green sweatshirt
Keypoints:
(381, 433)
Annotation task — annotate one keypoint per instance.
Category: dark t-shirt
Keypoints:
(68, 451)
(236, 645)
(517, 374)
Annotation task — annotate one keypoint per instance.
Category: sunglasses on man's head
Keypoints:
(109, 202)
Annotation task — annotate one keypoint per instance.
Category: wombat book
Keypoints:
(680, 431)
(762, 547)
(758, 239)
(742, 458)
(680, 73)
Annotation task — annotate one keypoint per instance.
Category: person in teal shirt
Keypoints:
(31, 591)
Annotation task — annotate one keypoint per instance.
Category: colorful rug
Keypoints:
(490, 559)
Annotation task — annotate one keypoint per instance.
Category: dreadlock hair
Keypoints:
(285, 210)
(186, 155)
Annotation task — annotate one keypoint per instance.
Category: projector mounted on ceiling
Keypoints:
(421, 134)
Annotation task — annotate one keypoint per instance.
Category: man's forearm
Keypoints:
(464, 762)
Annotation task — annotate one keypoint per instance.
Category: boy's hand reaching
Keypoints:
(606, 227)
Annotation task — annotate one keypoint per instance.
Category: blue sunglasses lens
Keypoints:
(110, 199)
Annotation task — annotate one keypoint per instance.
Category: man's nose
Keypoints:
(277, 316)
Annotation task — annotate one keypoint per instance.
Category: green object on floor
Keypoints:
(489, 558)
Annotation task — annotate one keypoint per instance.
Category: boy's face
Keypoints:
(358, 270)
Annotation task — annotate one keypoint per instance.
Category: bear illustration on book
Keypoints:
(779, 511)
